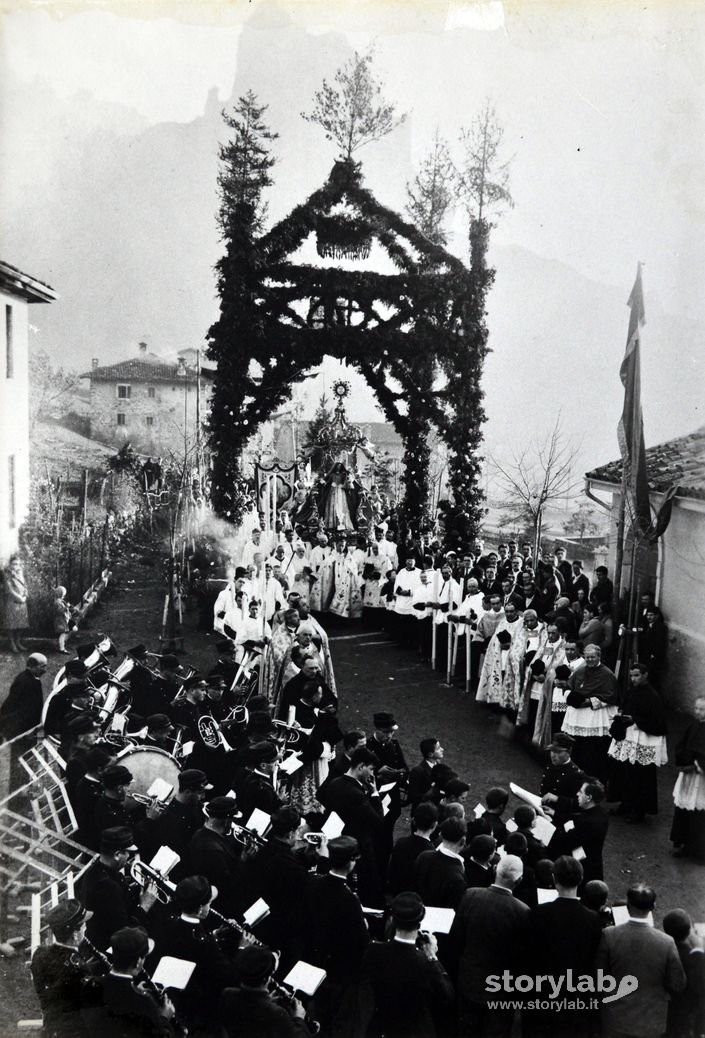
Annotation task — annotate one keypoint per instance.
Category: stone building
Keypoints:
(17, 292)
(675, 569)
(151, 402)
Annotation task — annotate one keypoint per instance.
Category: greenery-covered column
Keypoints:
(465, 431)
(244, 174)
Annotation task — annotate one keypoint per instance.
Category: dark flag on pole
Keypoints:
(630, 431)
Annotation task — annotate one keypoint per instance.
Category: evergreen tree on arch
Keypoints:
(417, 335)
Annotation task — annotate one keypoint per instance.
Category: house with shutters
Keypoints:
(154, 403)
(18, 291)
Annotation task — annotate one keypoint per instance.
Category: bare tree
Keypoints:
(353, 112)
(537, 476)
(431, 194)
(50, 386)
(584, 521)
(482, 177)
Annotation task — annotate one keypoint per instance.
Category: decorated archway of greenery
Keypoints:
(417, 335)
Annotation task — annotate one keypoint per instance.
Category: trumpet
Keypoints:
(246, 837)
(143, 875)
(142, 798)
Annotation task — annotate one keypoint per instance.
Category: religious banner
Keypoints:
(275, 485)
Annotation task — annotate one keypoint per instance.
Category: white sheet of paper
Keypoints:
(579, 853)
(620, 914)
(528, 798)
(333, 826)
(385, 788)
(437, 920)
(699, 929)
(511, 825)
(291, 764)
(173, 973)
(386, 801)
(164, 860)
(305, 978)
(256, 912)
(545, 894)
(231, 793)
(569, 825)
(543, 830)
(377, 912)
(478, 810)
(160, 789)
(187, 749)
(259, 822)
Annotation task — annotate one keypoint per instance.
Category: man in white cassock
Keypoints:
(406, 583)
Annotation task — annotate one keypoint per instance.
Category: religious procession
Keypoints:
(346, 720)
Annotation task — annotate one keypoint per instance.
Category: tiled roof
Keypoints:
(19, 283)
(137, 370)
(680, 461)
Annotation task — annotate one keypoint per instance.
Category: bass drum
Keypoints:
(147, 763)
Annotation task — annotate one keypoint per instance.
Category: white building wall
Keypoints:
(14, 423)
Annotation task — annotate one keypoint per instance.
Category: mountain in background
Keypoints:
(119, 217)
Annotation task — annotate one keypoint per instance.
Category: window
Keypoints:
(121, 419)
(150, 419)
(9, 344)
(12, 495)
(151, 392)
(124, 392)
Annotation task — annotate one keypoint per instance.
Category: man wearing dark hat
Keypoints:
(562, 778)
(213, 853)
(188, 709)
(105, 889)
(22, 709)
(182, 817)
(147, 693)
(128, 1002)
(113, 808)
(160, 732)
(66, 702)
(409, 987)
(256, 787)
(392, 768)
(59, 973)
(250, 1011)
(89, 790)
(280, 875)
(355, 798)
(337, 934)
(83, 732)
(186, 935)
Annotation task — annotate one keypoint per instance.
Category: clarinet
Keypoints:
(286, 999)
(102, 960)
(232, 924)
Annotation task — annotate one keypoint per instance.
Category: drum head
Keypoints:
(147, 763)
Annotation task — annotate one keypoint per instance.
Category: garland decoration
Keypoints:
(418, 335)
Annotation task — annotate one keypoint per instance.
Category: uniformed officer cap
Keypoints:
(75, 669)
(260, 722)
(85, 650)
(192, 893)
(285, 820)
(170, 662)
(255, 965)
(562, 741)
(342, 850)
(158, 722)
(263, 753)
(116, 775)
(66, 917)
(77, 688)
(192, 779)
(128, 945)
(117, 838)
(384, 721)
(407, 909)
(82, 724)
(138, 652)
(222, 807)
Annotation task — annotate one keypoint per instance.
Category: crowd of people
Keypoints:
(422, 912)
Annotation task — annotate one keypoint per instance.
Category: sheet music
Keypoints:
(256, 912)
(437, 920)
(259, 822)
(164, 860)
(305, 978)
(333, 826)
(160, 789)
(545, 894)
(173, 973)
